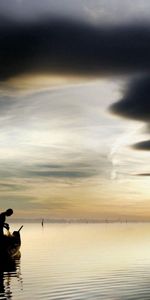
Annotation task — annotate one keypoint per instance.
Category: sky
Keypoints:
(74, 109)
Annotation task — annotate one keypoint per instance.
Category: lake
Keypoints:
(80, 261)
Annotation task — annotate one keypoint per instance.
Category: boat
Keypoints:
(10, 245)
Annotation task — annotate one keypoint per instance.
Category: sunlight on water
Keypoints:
(80, 261)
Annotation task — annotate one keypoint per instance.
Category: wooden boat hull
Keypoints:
(10, 245)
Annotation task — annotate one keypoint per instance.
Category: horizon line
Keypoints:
(72, 220)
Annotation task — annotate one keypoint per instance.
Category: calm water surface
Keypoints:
(80, 261)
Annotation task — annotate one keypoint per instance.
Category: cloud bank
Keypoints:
(69, 47)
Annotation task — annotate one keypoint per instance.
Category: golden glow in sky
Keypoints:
(63, 155)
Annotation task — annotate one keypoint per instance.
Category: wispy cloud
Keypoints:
(143, 174)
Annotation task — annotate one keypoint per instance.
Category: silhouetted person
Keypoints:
(3, 216)
(42, 223)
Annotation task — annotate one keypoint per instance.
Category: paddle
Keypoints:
(20, 228)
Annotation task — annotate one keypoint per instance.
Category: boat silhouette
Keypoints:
(10, 245)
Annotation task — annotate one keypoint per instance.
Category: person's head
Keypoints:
(9, 212)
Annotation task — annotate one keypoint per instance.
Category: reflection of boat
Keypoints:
(9, 268)
(10, 245)
(10, 264)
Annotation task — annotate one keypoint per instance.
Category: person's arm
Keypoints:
(6, 225)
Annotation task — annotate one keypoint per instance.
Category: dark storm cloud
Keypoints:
(144, 145)
(135, 103)
(71, 47)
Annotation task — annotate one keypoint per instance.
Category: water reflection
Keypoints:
(9, 269)
(80, 262)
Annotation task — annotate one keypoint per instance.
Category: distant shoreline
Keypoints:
(76, 221)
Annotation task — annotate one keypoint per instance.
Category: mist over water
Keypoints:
(80, 261)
